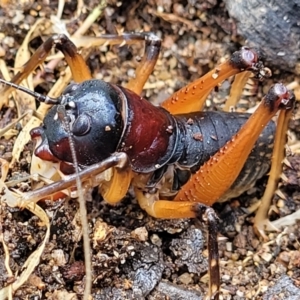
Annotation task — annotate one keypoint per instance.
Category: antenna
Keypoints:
(37, 96)
(61, 112)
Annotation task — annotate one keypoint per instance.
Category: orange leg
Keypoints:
(261, 221)
(192, 97)
(217, 175)
(178, 210)
(61, 42)
(147, 64)
(114, 190)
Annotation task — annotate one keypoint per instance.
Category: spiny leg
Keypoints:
(217, 175)
(76, 62)
(192, 97)
(164, 209)
(261, 221)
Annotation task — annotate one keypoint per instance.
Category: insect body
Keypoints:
(170, 152)
(105, 119)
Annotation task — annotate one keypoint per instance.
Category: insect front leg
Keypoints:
(148, 61)
(61, 42)
(79, 69)
(147, 64)
(119, 161)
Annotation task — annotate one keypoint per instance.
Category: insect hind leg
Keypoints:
(164, 209)
(261, 220)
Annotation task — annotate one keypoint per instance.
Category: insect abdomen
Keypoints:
(204, 133)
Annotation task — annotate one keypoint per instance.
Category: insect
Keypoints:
(178, 159)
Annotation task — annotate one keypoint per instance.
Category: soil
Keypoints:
(135, 256)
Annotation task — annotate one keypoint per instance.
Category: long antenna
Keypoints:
(37, 96)
(61, 112)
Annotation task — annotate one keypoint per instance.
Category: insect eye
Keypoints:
(70, 105)
(81, 125)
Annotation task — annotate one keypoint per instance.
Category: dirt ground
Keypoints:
(135, 256)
